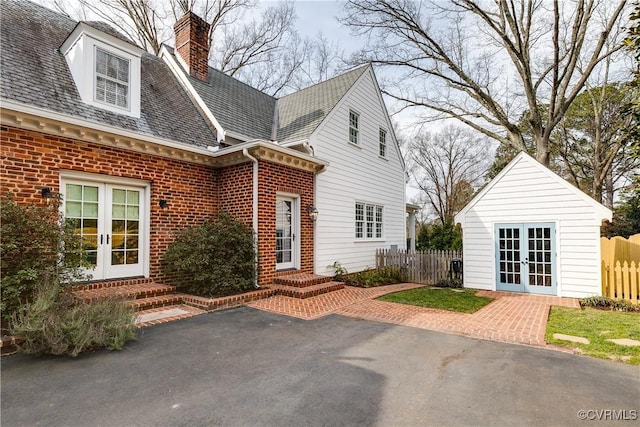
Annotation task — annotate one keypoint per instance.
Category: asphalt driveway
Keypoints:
(246, 367)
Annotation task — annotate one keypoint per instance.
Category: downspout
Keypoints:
(245, 153)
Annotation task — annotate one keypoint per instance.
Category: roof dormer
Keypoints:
(105, 68)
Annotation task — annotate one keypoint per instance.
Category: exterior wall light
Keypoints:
(163, 204)
(46, 193)
(313, 212)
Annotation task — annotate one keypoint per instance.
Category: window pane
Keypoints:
(133, 197)
(118, 211)
(133, 212)
(73, 209)
(90, 210)
(74, 192)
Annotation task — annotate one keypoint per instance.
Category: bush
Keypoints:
(449, 283)
(37, 245)
(604, 302)
(374, 277)
(215, 259)
(57, 323)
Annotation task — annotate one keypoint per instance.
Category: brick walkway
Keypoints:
(512, 318)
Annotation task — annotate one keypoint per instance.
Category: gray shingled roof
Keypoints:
(301, 112)
(34, 72)
(237, 106)
(243, 109)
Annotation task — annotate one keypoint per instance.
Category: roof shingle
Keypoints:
(34, 72)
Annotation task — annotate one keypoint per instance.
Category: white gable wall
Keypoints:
(528, 194)
(357, 173)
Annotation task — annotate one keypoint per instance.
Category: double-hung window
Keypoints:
(383, 143)
(354, 132)
(369, 221)
(112, 79)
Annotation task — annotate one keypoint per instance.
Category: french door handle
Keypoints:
(101, 238)
(107, 239)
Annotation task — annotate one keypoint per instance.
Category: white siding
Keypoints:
(357, 173)
(527, 193)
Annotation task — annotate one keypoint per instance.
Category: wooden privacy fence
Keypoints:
(621, 268)
(425, 267)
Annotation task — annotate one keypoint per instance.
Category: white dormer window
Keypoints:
(112, 79)
(105, 69)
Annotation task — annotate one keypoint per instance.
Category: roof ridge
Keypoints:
(356, 68)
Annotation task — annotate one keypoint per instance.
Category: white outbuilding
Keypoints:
(529, 230)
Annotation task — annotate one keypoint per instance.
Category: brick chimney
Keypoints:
(192, 44)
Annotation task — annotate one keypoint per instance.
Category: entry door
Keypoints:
(286, 225)
(525, 258)
(109, 219)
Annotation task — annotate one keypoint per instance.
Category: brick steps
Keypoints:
(133, 292)
(158, 301)
(308, 291)
(301, 280)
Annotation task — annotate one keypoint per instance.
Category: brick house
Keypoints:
(141, 146)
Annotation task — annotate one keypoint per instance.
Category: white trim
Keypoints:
(601, 211)
(145, 207)
(182, 78)
(97, 128)
(296, 214)
(79, 50)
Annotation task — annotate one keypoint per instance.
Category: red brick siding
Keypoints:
(192, 44)
(275, 178)
(235, 187)
(32, 160)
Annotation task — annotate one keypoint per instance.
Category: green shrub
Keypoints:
(37, 245)
(215, 259)
(449, 283)
(375, 277)
(603, 302)
(57, 323)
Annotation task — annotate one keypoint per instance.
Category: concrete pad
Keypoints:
(625, 341)
(160, 315)
(571, 338)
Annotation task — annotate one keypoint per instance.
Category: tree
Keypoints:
(440, 237)
(485, 63)
(593, 144)
(447, 166)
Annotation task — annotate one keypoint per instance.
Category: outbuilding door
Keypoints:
(526, 258)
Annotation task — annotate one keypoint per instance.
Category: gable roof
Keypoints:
(599, 209)
(301, 112)
(239, 108)
(35, 73)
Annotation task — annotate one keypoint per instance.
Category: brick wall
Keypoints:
(31, 160)
(274, 178)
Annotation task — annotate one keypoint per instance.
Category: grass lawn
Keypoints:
(597, 326)
(462, 300)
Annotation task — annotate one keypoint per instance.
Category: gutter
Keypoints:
(245, 153)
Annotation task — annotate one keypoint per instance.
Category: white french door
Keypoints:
(110, 220)
(525, 258)
(286, 229)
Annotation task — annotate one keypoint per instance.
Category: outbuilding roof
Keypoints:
(601, 211)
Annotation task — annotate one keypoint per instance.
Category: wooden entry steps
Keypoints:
(305, 285)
